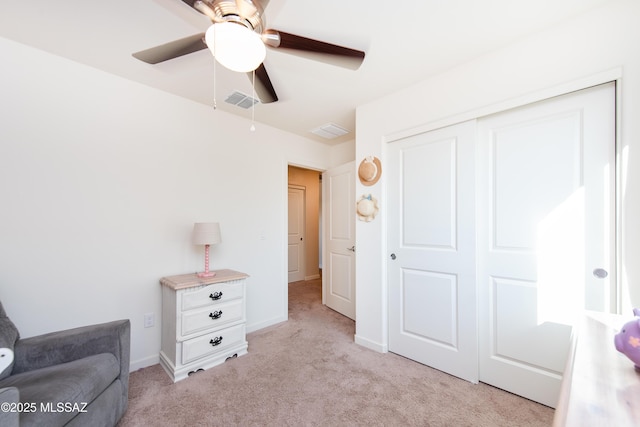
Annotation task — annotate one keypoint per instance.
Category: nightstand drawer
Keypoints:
(212, 294)
(211, 317)
(209, 344)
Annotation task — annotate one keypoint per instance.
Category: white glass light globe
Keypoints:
(235, 46)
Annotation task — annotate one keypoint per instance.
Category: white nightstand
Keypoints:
(203, 321)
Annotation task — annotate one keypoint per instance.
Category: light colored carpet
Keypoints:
(309, 372)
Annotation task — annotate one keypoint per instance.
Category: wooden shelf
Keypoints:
(601, 387)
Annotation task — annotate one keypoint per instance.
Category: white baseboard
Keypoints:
(143, 363)
(380, 348)
(257, 326)
(312, 277)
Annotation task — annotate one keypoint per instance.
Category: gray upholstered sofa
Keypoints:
(77, 377)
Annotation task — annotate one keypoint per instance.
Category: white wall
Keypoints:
(343, 153)
(101, 180)
(592, 48)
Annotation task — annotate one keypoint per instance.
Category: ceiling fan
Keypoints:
(237, 20)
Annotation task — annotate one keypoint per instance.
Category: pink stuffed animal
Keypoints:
(627, 341)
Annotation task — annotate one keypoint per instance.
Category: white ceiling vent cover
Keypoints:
(241, 100)
(329, 131)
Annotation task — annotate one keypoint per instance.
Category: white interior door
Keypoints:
(545, 223)
(296, 233)
(431, 241)
(338, 204)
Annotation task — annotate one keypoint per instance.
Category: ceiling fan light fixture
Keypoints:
(235, 46)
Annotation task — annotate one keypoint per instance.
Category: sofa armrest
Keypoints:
(73, 344)
(9, 417)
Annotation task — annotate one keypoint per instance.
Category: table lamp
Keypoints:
(206, 233)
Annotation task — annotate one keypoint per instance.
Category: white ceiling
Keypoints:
(405, 42)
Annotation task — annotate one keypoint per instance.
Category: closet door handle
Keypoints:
(352, 249)
(600, 273)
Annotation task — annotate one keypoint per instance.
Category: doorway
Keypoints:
(304, 205)
(336, 239)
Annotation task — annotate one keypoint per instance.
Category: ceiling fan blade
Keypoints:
(314, 49)
(172, 49)
(262, 86)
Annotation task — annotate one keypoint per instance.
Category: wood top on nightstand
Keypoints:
(183, 281)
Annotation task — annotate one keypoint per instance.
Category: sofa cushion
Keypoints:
(8, 337)
(59, 392)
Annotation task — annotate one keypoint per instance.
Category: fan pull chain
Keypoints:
(214, 67)
(252, 128)
(214, 84)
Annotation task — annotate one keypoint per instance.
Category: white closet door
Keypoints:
(431, 241)
(545, 225)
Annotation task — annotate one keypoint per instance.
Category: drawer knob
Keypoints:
(216, 341)
(215, 296)
(216, 314)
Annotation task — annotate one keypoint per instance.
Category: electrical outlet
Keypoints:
(149, 320)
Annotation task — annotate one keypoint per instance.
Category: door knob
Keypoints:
(352, 249)
(600, 273)
(393, 256)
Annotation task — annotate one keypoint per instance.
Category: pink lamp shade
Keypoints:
(206, 233)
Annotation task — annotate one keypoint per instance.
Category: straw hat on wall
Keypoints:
(369, 170)
(367, 208)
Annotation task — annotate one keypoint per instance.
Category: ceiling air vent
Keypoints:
(241, 100)
(329, 131)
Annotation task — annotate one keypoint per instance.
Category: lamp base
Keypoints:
(206, 274)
